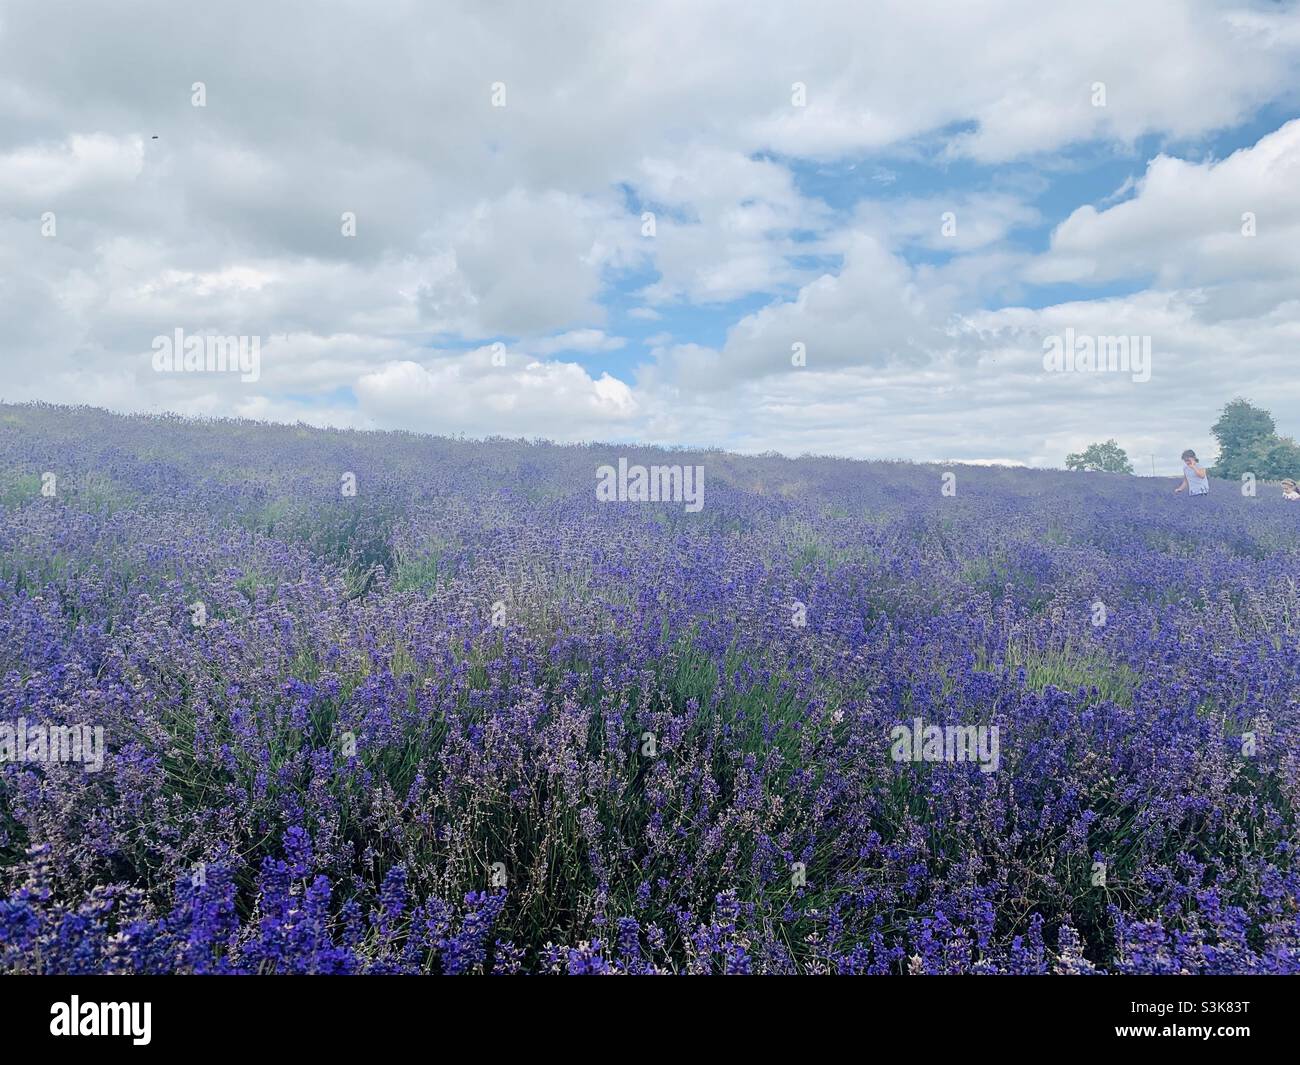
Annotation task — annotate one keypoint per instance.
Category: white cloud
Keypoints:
(590, 341)
(471, 393)
(477, 223)
(955, 224)
(732, 229)
(527, 264)
(1184, 223)
(870, 313)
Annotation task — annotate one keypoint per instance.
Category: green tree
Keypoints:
(1108, 458)
(1273, 458)
(1243, 431)
(1248, 443)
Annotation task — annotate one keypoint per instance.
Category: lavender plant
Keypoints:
(472, 719)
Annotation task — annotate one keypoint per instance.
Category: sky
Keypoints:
(825, 227)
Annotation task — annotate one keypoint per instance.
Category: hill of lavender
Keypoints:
(473, 719)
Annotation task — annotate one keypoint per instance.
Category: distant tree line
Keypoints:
(1248, 443)
(1104, 458)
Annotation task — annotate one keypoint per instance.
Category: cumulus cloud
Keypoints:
(869, 313)
(1189, 222)
(351, 196)
(487, 392)
(731, 228)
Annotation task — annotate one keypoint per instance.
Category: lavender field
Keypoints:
(472, 719)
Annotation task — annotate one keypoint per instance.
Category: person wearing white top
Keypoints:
(1196, 481)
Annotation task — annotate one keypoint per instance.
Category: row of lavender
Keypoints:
(471, 719)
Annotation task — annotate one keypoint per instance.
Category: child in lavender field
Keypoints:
(1196, 481)
(1290, 490)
